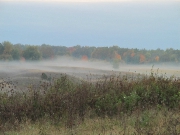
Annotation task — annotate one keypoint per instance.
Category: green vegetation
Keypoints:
(115, 105)
(45, 77)
(31, 53)
(9, 52)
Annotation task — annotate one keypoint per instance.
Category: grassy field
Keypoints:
(147, 122)
(73, 100)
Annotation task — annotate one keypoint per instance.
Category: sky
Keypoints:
(89, 0)
(138, 24)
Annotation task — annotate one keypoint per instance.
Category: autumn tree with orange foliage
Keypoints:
(156, 58)
(117, 56)
(142, 58)
(116, 60)
(84, 58)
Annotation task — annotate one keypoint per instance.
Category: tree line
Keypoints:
(20, 52)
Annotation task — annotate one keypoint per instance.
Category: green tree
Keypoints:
(46, 51)
(31, 53)
(15, 54)
(148, 55)
(173, 58)
(6, 49)
(1, 49)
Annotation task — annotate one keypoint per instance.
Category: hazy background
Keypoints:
(149, 25)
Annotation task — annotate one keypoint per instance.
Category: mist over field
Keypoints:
(71, 65)
(22, 75)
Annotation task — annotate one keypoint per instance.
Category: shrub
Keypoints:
(44, 76)
(67, 100)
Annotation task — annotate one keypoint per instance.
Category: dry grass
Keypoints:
(155, 123)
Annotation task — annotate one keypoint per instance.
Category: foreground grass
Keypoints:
(112, 105)
(153, 122)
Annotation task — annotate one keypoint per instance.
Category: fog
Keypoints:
(20, 75)
(73, 66)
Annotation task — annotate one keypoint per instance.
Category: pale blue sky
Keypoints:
(149, 25)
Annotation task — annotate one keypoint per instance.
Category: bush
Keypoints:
(44, 76)
(66, 100)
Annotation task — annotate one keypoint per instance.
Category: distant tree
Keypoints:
(113, 54)
(70, 50)
(173, 58)
(148, 56)
(6, 57)
(157, 58)
(15, 54)
(46, 51)
(142, 58)
(82, 50)
(117, 56)
(103, 53)
(84, 58)
(7, 47)
(177, 52)
(1, 49)
(59, 50)
(31, 53)
(135, 59)
(165, 57)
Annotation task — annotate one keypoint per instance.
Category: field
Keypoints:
(80, 97)
(24, 74)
